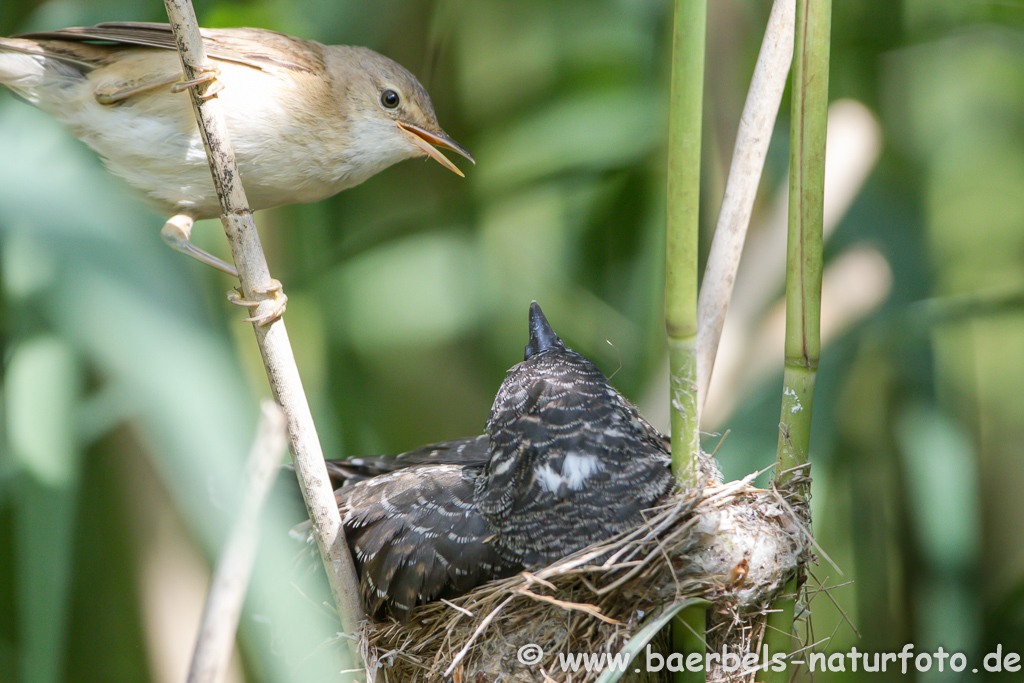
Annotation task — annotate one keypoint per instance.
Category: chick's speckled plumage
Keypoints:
(566, 462)
(572, 461)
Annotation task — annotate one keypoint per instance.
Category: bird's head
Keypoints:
(397, 111)
(552, 387)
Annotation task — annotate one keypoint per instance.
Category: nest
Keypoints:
(732, 545)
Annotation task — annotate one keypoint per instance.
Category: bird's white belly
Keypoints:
(152, 141)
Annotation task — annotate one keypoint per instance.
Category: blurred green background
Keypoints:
(130, 386)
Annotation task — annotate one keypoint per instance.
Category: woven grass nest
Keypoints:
(730, 544)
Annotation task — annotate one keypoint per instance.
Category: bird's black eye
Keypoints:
(390, 99)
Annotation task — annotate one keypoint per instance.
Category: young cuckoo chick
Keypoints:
(566, 462)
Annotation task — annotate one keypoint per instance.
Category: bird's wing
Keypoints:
(417, 536)
(257, 48)
(470, 451)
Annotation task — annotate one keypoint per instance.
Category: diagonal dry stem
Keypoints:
(272, 338)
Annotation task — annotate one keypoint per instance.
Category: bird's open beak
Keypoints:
(426, 140)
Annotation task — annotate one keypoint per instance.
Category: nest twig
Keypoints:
(730, 544)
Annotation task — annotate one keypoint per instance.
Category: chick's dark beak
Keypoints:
(425, 140)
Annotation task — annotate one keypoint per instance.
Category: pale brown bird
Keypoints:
(306, 120)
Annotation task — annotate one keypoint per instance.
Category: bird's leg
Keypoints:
(277, 302)
(208, 74)
(176, 232)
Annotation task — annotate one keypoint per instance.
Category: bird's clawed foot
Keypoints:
(208, 74)
(177, 231)
(267, 310)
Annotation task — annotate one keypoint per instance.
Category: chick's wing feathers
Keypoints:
(417, 536)
(469, 451)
